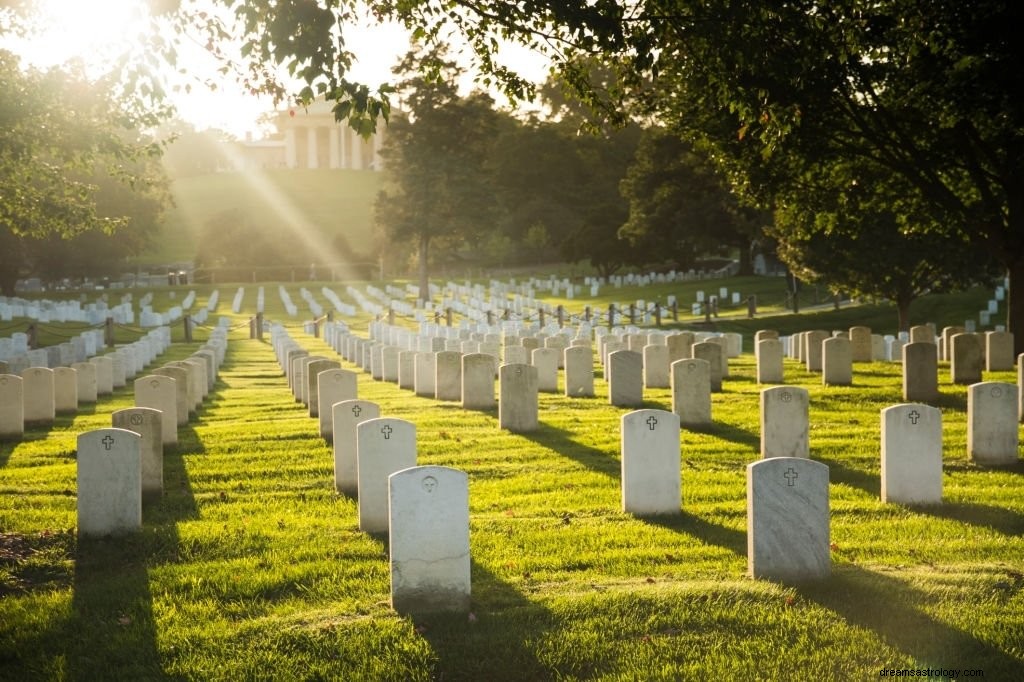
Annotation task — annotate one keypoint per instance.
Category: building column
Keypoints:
(333, 148)
(311, 159)
(343, 134)
(357, 150)
(291, 159)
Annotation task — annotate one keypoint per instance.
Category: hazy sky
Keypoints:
(98, 29)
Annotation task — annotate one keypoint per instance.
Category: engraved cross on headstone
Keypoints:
(356, 411)
(791, 476)
(914, 416)
(652, 422)
(786, 397)
(386, 430)
(108, 442)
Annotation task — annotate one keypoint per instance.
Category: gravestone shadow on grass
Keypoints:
(700, 528)
(731, 433)
(112, 628)
(500, 614)
(561, 441)
(999, 519)
(841, 472)
(895, 611)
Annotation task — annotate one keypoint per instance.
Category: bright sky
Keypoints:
(98, 29)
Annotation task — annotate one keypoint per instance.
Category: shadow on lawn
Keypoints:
(1005, 521)
(111, 633)
(896, 612)
(707, 531)
(561, 441)
(501, 615)
(838, 472)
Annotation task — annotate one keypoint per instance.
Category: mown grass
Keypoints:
(251, 567)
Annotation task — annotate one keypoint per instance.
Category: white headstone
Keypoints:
(182, 391)
(920, 371)
(37, 392)
(347, 415)
(448, 375)
(579, 372)
(88, 388)
(146, 422)
(691, 391)
(160, 393)
(912, 454)
(712, 354)
(517, 405)
(425, 371)
(651, 464)
(477, 381)
(768, 354)
(12, 409)
(428, 540)
(383, 446)
(407, 370)
(656, 374)
(992, 423)
(965, 360)
(104, 374)
(999, 351)
(312, 378)
(812, 351)
(860, 344)
(333, 386)
(625, 378)
(836, 362)
(65, 390)
(109, 482)
(788, 519)
(545, 360)
(784, 422)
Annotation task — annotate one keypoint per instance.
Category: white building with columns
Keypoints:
(310, 138)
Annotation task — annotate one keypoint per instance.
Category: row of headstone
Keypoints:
(47, 311)
(443, 375)
(424, 510)
(651, 478)
(787, 493)
(119, 468)
(15, 352)
(39, 394)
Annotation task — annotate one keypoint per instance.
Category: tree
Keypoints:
(549, 179)
(871, 238)
(56, 127)
(437, 151)
(96, 253)
(65, 136)
(600, 205)
(681, 208)
(930, 89)
(926, 93)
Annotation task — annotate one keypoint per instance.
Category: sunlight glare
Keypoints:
(90, 31)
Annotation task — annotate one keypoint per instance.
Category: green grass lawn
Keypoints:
(252, 567)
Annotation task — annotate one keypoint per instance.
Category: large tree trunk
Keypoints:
(424, 271)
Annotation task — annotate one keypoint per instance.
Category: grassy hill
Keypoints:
(311, 203)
